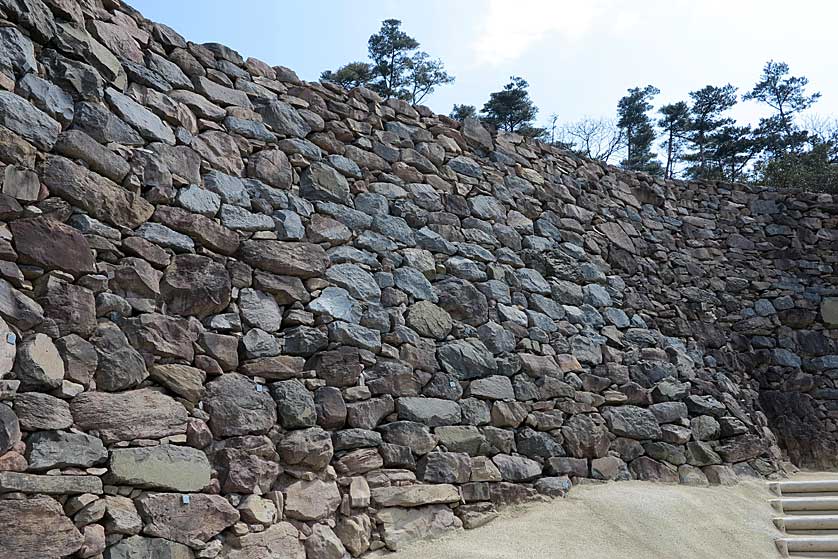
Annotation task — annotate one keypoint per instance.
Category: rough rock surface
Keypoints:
(243, 315)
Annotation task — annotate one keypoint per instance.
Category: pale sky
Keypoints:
(579, 57)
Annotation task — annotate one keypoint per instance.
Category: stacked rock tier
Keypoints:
(245, 315)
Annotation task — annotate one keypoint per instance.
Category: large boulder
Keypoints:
(584, 438)
(19, 116)
(166, 467)
(516, 468)
(124, 416)
(18, 309)
(322, 182)
(467, 359)
(432, 412)
(311, 500)
(98, 196)
(429, 320)
(37, 411)
(309, 448)
(60, 449)
(324, 543)
(633, 422)
(279, 540)
(24, 521)
(52, 245)
(166, 515)
(648, 469)
(195, 285)
(303, 260)
(462, 301)
(72, 307)
(119, 366)
(39, 365)
(401, 526)
(238, 406)
(295, 404)
(415, 495)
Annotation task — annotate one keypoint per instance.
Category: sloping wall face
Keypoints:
(246, 316)
(750, 275)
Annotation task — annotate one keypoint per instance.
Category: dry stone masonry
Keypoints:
(244, 316)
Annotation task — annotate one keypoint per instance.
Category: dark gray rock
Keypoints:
(432, 412)
(632, 421)
(9, 428)
(295, 404)
(444, 467)
(410, 434)
(119, 366)
(462, 301)
(238, 406)
(195, 285)
(467, 359)
(283, 119)
(516, 468)
(149, 125)
(19, 116)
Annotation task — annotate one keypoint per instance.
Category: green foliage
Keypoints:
(814, 169)
(675, 122)
(791, 156)
(708, 105)
(787, 96)
(633, 119)
(423, 75)
(397, 70)
(511, 109)
(731, 149)
(354, 74)
(462, 112)
(539, 133)
(390, 50)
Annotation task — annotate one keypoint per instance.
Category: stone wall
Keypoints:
(245, 316)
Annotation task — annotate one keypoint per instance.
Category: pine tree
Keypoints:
(791, 156)
(708, 105)
(511, 109)
(731, 149)
(398, 69)
(462, 112)
(787, 96)
(354, 74)
(633, 119)
(675, 122)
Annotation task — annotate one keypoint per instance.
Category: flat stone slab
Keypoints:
(415, 495)
(125, 416)
(169, 467)
(53, 485)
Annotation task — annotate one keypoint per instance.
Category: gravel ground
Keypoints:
(625, 520)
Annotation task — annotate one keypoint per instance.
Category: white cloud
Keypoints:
(511, 27)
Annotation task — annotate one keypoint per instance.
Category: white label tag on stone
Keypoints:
(11, 338)
(259, 388)
(184, 499)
